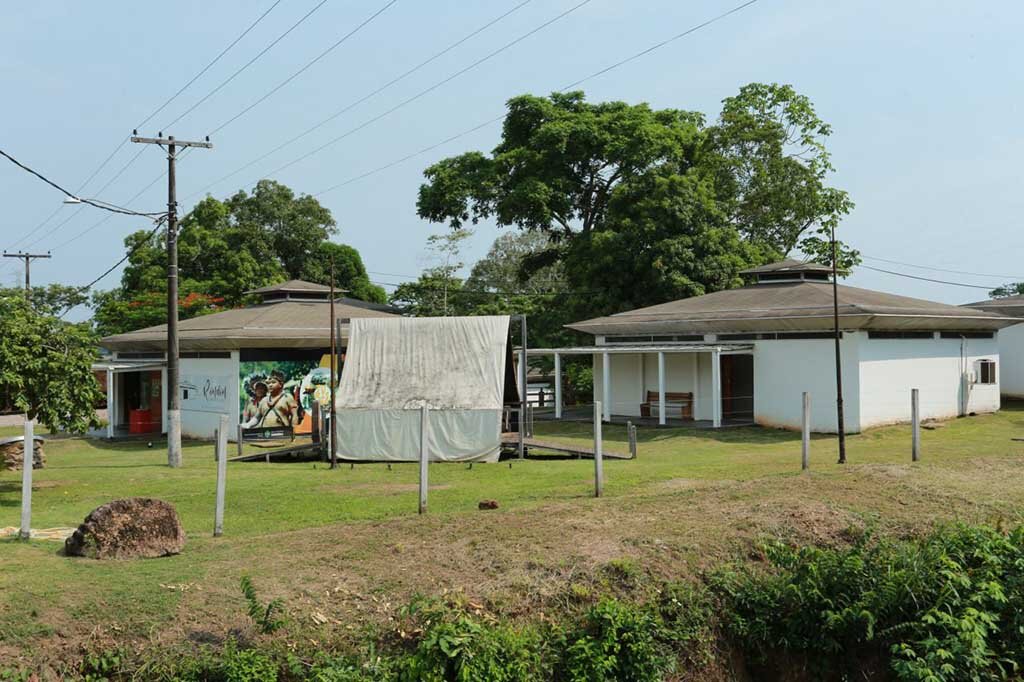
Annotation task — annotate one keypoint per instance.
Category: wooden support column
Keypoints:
(661, 388)
(606, 386)
(716, 388)
(558, 386)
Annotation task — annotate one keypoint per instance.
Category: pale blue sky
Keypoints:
(925, 99)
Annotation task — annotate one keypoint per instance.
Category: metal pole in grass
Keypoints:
(27, 461)
(598, 453)
(222, 472)
(915, 421)
(805, 444)
(423, 460)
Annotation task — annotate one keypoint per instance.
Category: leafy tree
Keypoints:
(503, 268)
(45, 366)
(1012, 289)
(226, 248)
(645, 206)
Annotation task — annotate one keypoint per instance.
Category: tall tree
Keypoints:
(647, 205)
(226, 248)
(45, 366)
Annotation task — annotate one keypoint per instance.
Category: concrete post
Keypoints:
(805, 460)
(598, 452)
(716, 388)
(25, 532)
(111, 403)
(915, 420)
(606, 385)
(631, 433)
(661, 388)
(558, 386)
(423, 458)
(222, 472)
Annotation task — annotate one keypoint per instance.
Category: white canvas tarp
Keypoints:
(394, 366)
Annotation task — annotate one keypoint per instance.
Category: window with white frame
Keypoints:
(986, 372)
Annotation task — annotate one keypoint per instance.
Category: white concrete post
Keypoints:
(26, 480)
(222, 473)
(716, 388)
(163, 400)
(606, 385)
(805, 460)
(661, 388)
(598, 452)
(915, 420)
(111, 403)
(558, 386)
(423, 458)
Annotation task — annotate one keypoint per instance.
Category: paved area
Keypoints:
(17, 419)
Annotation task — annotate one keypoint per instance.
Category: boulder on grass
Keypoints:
(12, 453)
(128, 529)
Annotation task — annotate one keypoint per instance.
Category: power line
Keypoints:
(433, 87)
(308, 64)
(927, 279)
(249, 63)
(954, 272)
(124, 140)
(364, 98)
(92, 202)
(501, 116)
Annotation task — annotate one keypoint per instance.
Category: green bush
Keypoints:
(617, 642)
(946, 607)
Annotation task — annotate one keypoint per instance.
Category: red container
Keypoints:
(139, 421)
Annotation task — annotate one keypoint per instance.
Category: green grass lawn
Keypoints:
(691, 496)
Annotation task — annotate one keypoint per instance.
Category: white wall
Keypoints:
(626, 380)
(785, 368)
(633, 374)
(890, 368)
(200, 418)
(1011, 352)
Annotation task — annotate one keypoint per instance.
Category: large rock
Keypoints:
(126, 529)
(12, 453)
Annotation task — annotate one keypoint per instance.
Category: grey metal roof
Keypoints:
(284, 324)
(1007, 305)
(793, 306)
(632, 348)
(788, 265)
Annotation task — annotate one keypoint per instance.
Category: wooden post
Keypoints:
(27, 461)
(423, 458)
(631, 432)
(805, 459)
(598, 454)
(558, 386)
(915, 420)
(241, 438)
(222, 472)
(661, 388)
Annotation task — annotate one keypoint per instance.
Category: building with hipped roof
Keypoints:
(262, 364)
(747, 355)
(1011, 342)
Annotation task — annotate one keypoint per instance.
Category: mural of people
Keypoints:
(251, 412)
(278, 407)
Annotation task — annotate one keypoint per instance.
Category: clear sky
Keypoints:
(925, 99)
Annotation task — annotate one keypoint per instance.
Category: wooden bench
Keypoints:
(673, 401)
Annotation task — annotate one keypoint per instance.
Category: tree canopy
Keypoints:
(640, 206)
(226, 248)
(45, 365)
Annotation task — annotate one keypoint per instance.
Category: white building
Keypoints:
(1011, 343)
(225, 356)
(748, 354)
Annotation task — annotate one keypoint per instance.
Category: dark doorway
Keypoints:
(737, 386)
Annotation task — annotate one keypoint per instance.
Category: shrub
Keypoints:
(617, 642)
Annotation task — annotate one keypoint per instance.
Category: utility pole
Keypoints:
(173, 391)
(28, 258)
(839, 366)
(334, 354)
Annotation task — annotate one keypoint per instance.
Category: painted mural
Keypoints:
(277, 395)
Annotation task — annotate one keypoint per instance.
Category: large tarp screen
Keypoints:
(394, 366)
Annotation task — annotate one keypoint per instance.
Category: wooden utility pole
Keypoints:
(334, 353)
(839, 366)
(173, 391)
(28, 258)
